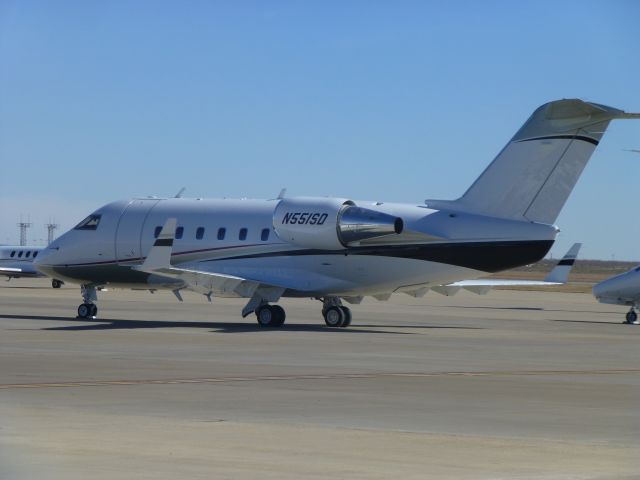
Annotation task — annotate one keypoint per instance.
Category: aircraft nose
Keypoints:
(608, 288)
(44, 260)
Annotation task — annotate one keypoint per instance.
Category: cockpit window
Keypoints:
(89, 223)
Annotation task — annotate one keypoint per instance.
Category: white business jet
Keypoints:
(623, 289)
(338, 249)
(17, 262)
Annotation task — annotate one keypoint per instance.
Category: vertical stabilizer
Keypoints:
(532, 177)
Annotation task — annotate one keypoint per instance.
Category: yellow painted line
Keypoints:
(337, 376)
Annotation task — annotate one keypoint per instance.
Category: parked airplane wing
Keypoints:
(158, 262)
(20, 272)
(558, 276)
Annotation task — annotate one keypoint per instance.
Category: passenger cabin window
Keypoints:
(35, 254)
(179, 232)
(264, 236)
(13, 254)
(200, 233)
(20, 254)
(28, 254)
(156, 232)
(221, 233)
(243, 234)
(89, 223)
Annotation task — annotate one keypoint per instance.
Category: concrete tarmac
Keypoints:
(523, 385)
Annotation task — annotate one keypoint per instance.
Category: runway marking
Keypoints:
(337, 376)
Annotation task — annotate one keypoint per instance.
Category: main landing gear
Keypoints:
(55, 283)
(88, 309)
(631, 318)
(335, 314)
(270, 315)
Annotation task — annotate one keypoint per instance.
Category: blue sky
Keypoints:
(398, 101)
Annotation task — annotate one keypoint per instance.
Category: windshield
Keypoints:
(89, 223)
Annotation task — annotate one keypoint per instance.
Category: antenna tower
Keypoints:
(23, 232)
(51, 229)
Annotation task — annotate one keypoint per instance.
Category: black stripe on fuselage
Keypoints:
(484, 256)
(563, 137)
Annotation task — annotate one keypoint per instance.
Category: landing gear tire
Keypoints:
(280, 315)
(55, 283)
(631, 317)
(334, 317)
(347, 317)
(270, 316)
(87, 310)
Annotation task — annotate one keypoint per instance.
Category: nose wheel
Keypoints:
(631, 317)
(87, 310)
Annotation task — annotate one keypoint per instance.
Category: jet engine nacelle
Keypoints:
(330, 223)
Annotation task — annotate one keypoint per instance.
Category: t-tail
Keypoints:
(533, 175)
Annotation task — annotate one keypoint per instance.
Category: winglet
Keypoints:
(560, 274)
(160, 254)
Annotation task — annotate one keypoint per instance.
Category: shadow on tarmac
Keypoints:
(613, 322)
(217, 327)
(534, 309)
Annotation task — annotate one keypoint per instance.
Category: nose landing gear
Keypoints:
(88, 309)
(631, 317)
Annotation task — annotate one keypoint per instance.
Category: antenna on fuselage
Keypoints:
(179, 194)
(282, 193)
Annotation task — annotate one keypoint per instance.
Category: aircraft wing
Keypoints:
(23, 271)
(558, 276)
(158, 262)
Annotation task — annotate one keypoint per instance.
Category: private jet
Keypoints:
(16, 262)
(338, 250)
(623, 289)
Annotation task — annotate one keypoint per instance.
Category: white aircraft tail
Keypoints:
(533, 175)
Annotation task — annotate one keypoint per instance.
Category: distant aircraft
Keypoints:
(623, 289)
(558, 276)
(16, 262)
(335, 249)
